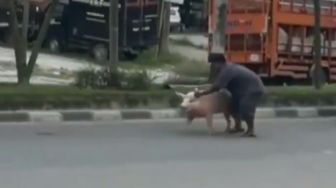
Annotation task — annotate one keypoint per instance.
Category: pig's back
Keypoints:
(214, 102)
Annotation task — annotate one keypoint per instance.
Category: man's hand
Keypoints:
(198, 94)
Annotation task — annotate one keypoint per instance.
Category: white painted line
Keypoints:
(45, 116)
(106, 115)
(265, 113)
(307, 112)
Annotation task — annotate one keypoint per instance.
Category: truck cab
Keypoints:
(84, 24)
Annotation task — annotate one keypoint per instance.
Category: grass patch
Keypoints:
(38, 97)
(302, 91)
(13, 97)
(185, 42)
(169, 61)
(193, 69)
(148, 58)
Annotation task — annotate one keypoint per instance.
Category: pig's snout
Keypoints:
(183, 105)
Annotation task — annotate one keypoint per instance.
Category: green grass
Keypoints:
(148, 59)
(170, 62)
(36, 97)
(193, 69)
(302, 91)
(184, 42)
(39, 96)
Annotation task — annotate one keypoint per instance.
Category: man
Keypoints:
(246, 88)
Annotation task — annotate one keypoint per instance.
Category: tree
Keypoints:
(25, 69)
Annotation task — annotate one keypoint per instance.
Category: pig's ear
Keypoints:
(180, 94)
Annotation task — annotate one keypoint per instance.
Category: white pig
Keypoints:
(206, 106)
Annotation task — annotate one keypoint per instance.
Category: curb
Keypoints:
(145, 114)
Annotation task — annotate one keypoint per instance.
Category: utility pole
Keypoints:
(218, 38)
(317, 46)
(114, 31)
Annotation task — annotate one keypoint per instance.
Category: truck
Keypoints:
(35, 15)
(274, 38)
(84, 25)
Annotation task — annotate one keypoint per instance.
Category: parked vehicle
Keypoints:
(175, 19)
(84, 24)
(274, 37)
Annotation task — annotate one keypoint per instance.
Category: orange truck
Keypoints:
(274, 38)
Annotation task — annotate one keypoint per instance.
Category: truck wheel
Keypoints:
(54, 46)
(8, 38)
(181, 28)
(99, 52)
(323, 75)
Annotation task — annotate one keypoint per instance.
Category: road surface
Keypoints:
(289, 153)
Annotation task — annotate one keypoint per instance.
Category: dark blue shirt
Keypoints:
(239, 80)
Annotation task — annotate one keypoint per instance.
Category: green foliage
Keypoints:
(193, 69)
(113, 79)
(148, 58)
(44, 97)
(40, 97)
(137, 81)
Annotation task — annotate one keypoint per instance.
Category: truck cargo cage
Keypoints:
(275, 38)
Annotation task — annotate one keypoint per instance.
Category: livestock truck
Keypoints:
(274, 38)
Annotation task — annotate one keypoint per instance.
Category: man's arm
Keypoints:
(222, 81)
(212, 89)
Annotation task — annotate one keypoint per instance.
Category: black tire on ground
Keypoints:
(130, 55)
(100, 52)
(8, 38)
(54, 45)
(323, 73)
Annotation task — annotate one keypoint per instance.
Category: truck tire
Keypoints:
(323, 73)
(54, 46)
(100, 52)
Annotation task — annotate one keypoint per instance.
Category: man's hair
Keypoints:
(217, 58)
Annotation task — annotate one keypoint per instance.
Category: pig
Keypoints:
(206, 106)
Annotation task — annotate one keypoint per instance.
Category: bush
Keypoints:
(59, 97)
(113, 79)
(53, 97)
(148, 58)
(137, 81)
(193, 69)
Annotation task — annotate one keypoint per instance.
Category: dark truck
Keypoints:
(84, 24)
(37, 8)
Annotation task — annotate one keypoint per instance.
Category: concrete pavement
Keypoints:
(288, 153)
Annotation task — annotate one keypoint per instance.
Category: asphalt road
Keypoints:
(144, 154)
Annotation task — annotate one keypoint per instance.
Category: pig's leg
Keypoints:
(210, 123)
(228, 122)
(237, 128)
(190, 116)
(189, 120)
